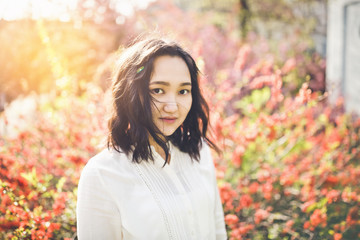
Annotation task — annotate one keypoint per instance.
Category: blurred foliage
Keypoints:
(37, 53)
(269, 18)
(41, 165)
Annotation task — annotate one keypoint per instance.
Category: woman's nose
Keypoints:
(170, 107)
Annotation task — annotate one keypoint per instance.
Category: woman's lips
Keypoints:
(168, 120)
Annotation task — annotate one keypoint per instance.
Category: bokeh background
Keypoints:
(289, 167)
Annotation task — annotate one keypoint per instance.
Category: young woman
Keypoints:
(156, 180)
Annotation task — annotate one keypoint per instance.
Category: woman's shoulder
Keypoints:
(205, 154)
(107, 159)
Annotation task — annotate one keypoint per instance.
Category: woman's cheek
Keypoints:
(189, 103)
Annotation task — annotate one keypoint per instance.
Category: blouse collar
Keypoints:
(159, 161)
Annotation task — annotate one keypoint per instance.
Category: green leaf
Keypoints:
(274, 231)
(60, 184)
(31, 177)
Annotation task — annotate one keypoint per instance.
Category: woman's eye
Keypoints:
(184, 91)
(157, 91)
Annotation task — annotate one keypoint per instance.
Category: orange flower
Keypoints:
(337, 236)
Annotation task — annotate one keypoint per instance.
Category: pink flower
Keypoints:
(260, 215)
(289, 65)
(242, 57)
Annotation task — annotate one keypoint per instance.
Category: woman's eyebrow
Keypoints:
(168, 84)
(160, 83)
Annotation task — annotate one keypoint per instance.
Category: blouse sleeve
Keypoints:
(219, 218)
(97, 215)
(220, 229)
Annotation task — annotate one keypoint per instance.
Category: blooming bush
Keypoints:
(290, 165)
(40, 168)
(288, 170)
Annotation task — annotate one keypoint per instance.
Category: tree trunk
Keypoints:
(244, 17)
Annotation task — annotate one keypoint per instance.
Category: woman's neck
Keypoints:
(159, 149)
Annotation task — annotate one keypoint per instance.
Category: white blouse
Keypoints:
(118, 199)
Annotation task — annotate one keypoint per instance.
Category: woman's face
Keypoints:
(170, 86)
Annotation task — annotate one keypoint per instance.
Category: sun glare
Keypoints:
(11, 10)
(57, 9)
(35, 9)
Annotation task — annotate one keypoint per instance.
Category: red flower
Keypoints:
(337, 236)
(267, 189)
(318, 218)
(253, 188)
(237, 155)
(77, 160)
(306, 225)
(231, 219)
(348, 196)
(289, 65)
(332, 196)
(307, 204)
(60, 203)
(331, 180)
(260, 215)
(227, 195)
(251, 135)
(242, 57)
(245, 201)
(353, 216)
(290, 223)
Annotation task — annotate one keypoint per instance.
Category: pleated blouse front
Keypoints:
(118, 199)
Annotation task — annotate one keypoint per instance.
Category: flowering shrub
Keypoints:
(290, 165)
(40, 168)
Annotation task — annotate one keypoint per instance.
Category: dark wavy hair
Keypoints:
(131, 123)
